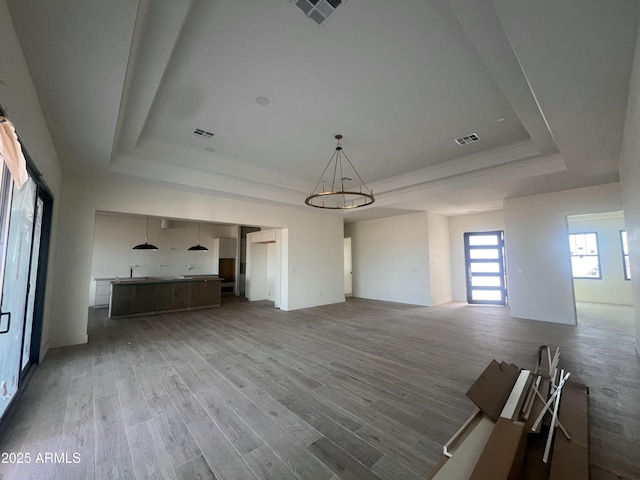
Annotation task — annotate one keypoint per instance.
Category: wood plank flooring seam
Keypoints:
(375, 369)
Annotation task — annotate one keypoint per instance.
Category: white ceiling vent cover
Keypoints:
(472, 137)
(317, 10)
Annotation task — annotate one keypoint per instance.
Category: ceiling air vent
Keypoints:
(472, 137)
(317, 10)
(203, 133)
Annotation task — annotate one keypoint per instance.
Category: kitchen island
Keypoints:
(147, 296)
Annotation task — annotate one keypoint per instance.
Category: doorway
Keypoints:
(264, 266)
(484, 262)
(348, 272)
(599, 255)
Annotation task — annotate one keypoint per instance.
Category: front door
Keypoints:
(484, 256)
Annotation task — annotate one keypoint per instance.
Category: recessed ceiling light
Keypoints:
(209, 149)
(262, 101)
(499, 120)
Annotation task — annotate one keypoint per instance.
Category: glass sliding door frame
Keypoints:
(29, 316)
(15, 288)
(40, 280)
(25, 226)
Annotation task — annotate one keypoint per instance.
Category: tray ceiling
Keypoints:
(542, 84)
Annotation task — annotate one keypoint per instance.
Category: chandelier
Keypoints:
(339, 197)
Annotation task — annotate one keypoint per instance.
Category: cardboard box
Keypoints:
(503, 453)
(570, 458)
(510, 450)
(493, 387)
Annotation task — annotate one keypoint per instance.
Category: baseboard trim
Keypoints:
(43, 350)
(328, 301)
(530, 316)
(68, 341)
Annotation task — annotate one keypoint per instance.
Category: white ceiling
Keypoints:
(123, 86)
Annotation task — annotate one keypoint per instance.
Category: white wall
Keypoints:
(612, 287)
(312, 246)
(630, 183)
(458, 226)
(19, 98)
(257, 280)
(390, 259)
(538, 262)
(115, 235)
(315, 257)
(272, 271)
(439, 259)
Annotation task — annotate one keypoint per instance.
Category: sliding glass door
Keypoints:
(25, 220)
(15, 288)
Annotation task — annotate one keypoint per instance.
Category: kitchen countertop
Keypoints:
(146, 280)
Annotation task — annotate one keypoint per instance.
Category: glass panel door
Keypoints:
(484, 255)
(14, 289)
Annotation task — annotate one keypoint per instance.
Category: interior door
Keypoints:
(484, 256)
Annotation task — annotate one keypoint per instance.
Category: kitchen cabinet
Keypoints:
(149, 296)
(224, 255)
(163, 296)
(224, 247)
(197, 294)
(143, 298)
(103, 292)
(122, 300)
(180, 295)
(213, 292)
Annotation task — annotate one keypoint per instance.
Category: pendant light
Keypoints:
(339, 197)
(198, 247)
(146, 245)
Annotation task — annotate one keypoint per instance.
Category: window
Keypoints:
(625, 255)
(585, 260)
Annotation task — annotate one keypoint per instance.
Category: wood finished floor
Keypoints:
(360, 390)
